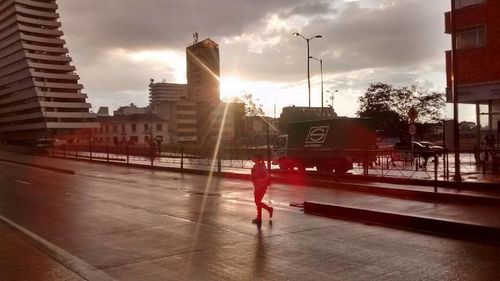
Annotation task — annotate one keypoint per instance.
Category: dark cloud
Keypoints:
(407, 34)
(399, 42)
(160, 23)
(310, 9)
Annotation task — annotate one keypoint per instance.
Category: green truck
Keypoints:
(327, 145)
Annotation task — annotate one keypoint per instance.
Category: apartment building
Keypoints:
(171, 103)
(40, 96)
(134, 129)
(476, 26)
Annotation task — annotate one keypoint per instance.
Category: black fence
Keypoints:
(422, 165)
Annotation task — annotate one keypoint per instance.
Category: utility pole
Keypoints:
(456, 129)
(308, 57)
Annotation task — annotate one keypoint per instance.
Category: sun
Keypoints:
(233, 86)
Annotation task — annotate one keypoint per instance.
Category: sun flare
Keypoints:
(233, 86)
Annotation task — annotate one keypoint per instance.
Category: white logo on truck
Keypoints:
(317, 135)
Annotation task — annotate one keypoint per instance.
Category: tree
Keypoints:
(251, 108)
(389, 106)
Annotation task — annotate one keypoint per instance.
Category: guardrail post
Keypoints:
(182, 158)
(90, 151)
(365, 163)
(152, 154)
(76, 151)
(436, 165)
(107, 153)
(64, 151)
(484, 161)
(126, 152)
(219, 163)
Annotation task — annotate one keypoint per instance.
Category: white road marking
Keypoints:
(23, 182)
(75, 264)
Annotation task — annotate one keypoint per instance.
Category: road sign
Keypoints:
(412, 113)
(413, 129)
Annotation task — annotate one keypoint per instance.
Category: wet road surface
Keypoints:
(132, 224)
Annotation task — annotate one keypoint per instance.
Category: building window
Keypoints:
(123, 127)
(115, 128)
(159, 127)
(465, 3)
(134, 127)
(146, 127)
(106, 128)
(471, 38)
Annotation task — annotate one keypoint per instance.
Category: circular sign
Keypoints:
(412, 113)
(413, 129)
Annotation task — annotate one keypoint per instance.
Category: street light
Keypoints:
(331, 95)
(308, 69)
(454, 90)
(321, 69)
(44, 90)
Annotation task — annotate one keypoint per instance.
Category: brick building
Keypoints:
(477, 29)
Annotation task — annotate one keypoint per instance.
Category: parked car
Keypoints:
(403, 151)
(436, 148)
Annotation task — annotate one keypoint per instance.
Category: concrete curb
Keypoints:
(410, 194)
(43, 167)
(432, 183)
(455, 229)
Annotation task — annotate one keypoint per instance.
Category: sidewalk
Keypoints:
(20, 260)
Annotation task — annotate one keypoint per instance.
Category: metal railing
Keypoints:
(421, 165)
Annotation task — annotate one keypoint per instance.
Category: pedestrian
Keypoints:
(261, 180)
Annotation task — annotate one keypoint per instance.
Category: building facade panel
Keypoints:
(476, 26)
(39, 91)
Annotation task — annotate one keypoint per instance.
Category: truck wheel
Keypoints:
(300, 167)
(324, 169)
(285, 165)
(284, 168)
(344, 165)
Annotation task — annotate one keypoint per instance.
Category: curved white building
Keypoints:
(39, 91)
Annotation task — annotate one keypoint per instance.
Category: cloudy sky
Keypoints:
(118, 45)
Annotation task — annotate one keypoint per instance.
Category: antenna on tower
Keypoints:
(195, 37)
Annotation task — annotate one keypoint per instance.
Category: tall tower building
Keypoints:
(203, 71)
(39, 91)
(203, 85)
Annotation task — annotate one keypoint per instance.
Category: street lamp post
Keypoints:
(321, 69)
(456, 130)
(308, 56)
(331, 95)
(45, 109)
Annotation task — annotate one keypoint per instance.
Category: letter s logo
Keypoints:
(317, 135)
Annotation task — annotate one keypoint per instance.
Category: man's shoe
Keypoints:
(271, 213)
(257, 220)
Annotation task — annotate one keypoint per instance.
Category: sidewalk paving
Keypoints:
(19, 260)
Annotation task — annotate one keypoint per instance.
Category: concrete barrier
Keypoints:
(455, 229)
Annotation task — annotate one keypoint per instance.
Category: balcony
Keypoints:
(447, 22)
(37, 21)
(38, 4)
(31, 12)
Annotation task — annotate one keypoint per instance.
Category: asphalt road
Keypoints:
(118, 223)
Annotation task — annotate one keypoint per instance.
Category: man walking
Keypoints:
(261, 180)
